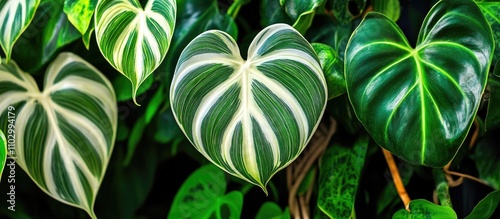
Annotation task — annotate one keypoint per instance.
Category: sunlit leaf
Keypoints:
(250, 117)
(64, 134)
(340, 172)
(15, 16)
(134, 39)
(423, 209)
(419, 103)
(80, 13)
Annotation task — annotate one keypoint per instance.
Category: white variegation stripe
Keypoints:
(99, 132)
(244, 75)
(15, 17)
(115, 42)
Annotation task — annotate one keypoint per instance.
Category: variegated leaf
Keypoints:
(134, 40)
(249, 117)
(15, 16)
(80, 13)
(65, 134)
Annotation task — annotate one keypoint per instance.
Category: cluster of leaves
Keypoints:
(428, 95)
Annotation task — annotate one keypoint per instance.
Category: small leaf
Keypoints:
(486, 207)
(154, 104)
(134, 40)
(333, 69)
(15, 17)
(423, 209)
(419, 103)
(198, 193)
(64, 134)
(134, 139)
(249, 117)
(270, 210)
(340, 171)
(301, 12)
(390, 8)
(80, 13)
(3, 152)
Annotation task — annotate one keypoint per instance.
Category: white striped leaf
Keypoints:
(134, 40)
(15, 16)
(249, 117)
(64, 134)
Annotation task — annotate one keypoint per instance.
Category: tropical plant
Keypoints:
(250, 109)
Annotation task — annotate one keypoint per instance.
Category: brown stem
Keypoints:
(474, 135)
(397, 179)
(299, 169)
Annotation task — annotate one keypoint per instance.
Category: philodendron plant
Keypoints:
(322, 88)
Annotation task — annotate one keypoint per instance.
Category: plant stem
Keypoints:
(296, 172)
(397, 179)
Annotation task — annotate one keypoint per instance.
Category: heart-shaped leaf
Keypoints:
(251, 118)
(134, 40)
(419, 103)
(15, 16)
(65, 134)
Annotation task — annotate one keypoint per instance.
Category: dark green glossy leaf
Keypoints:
(423, 209)
(58, 32)
(193, 18)
(301, 12)
(487, 158)
(486, 207)
(333, 69)
(420, 103)
(491, 10)
(272, 12)
(390, 8)
(340, 171)
(271, 210)
(80, 13)
(124, 90)
(326, 31)
(345, 11)
(199, 193)
(493, 114)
